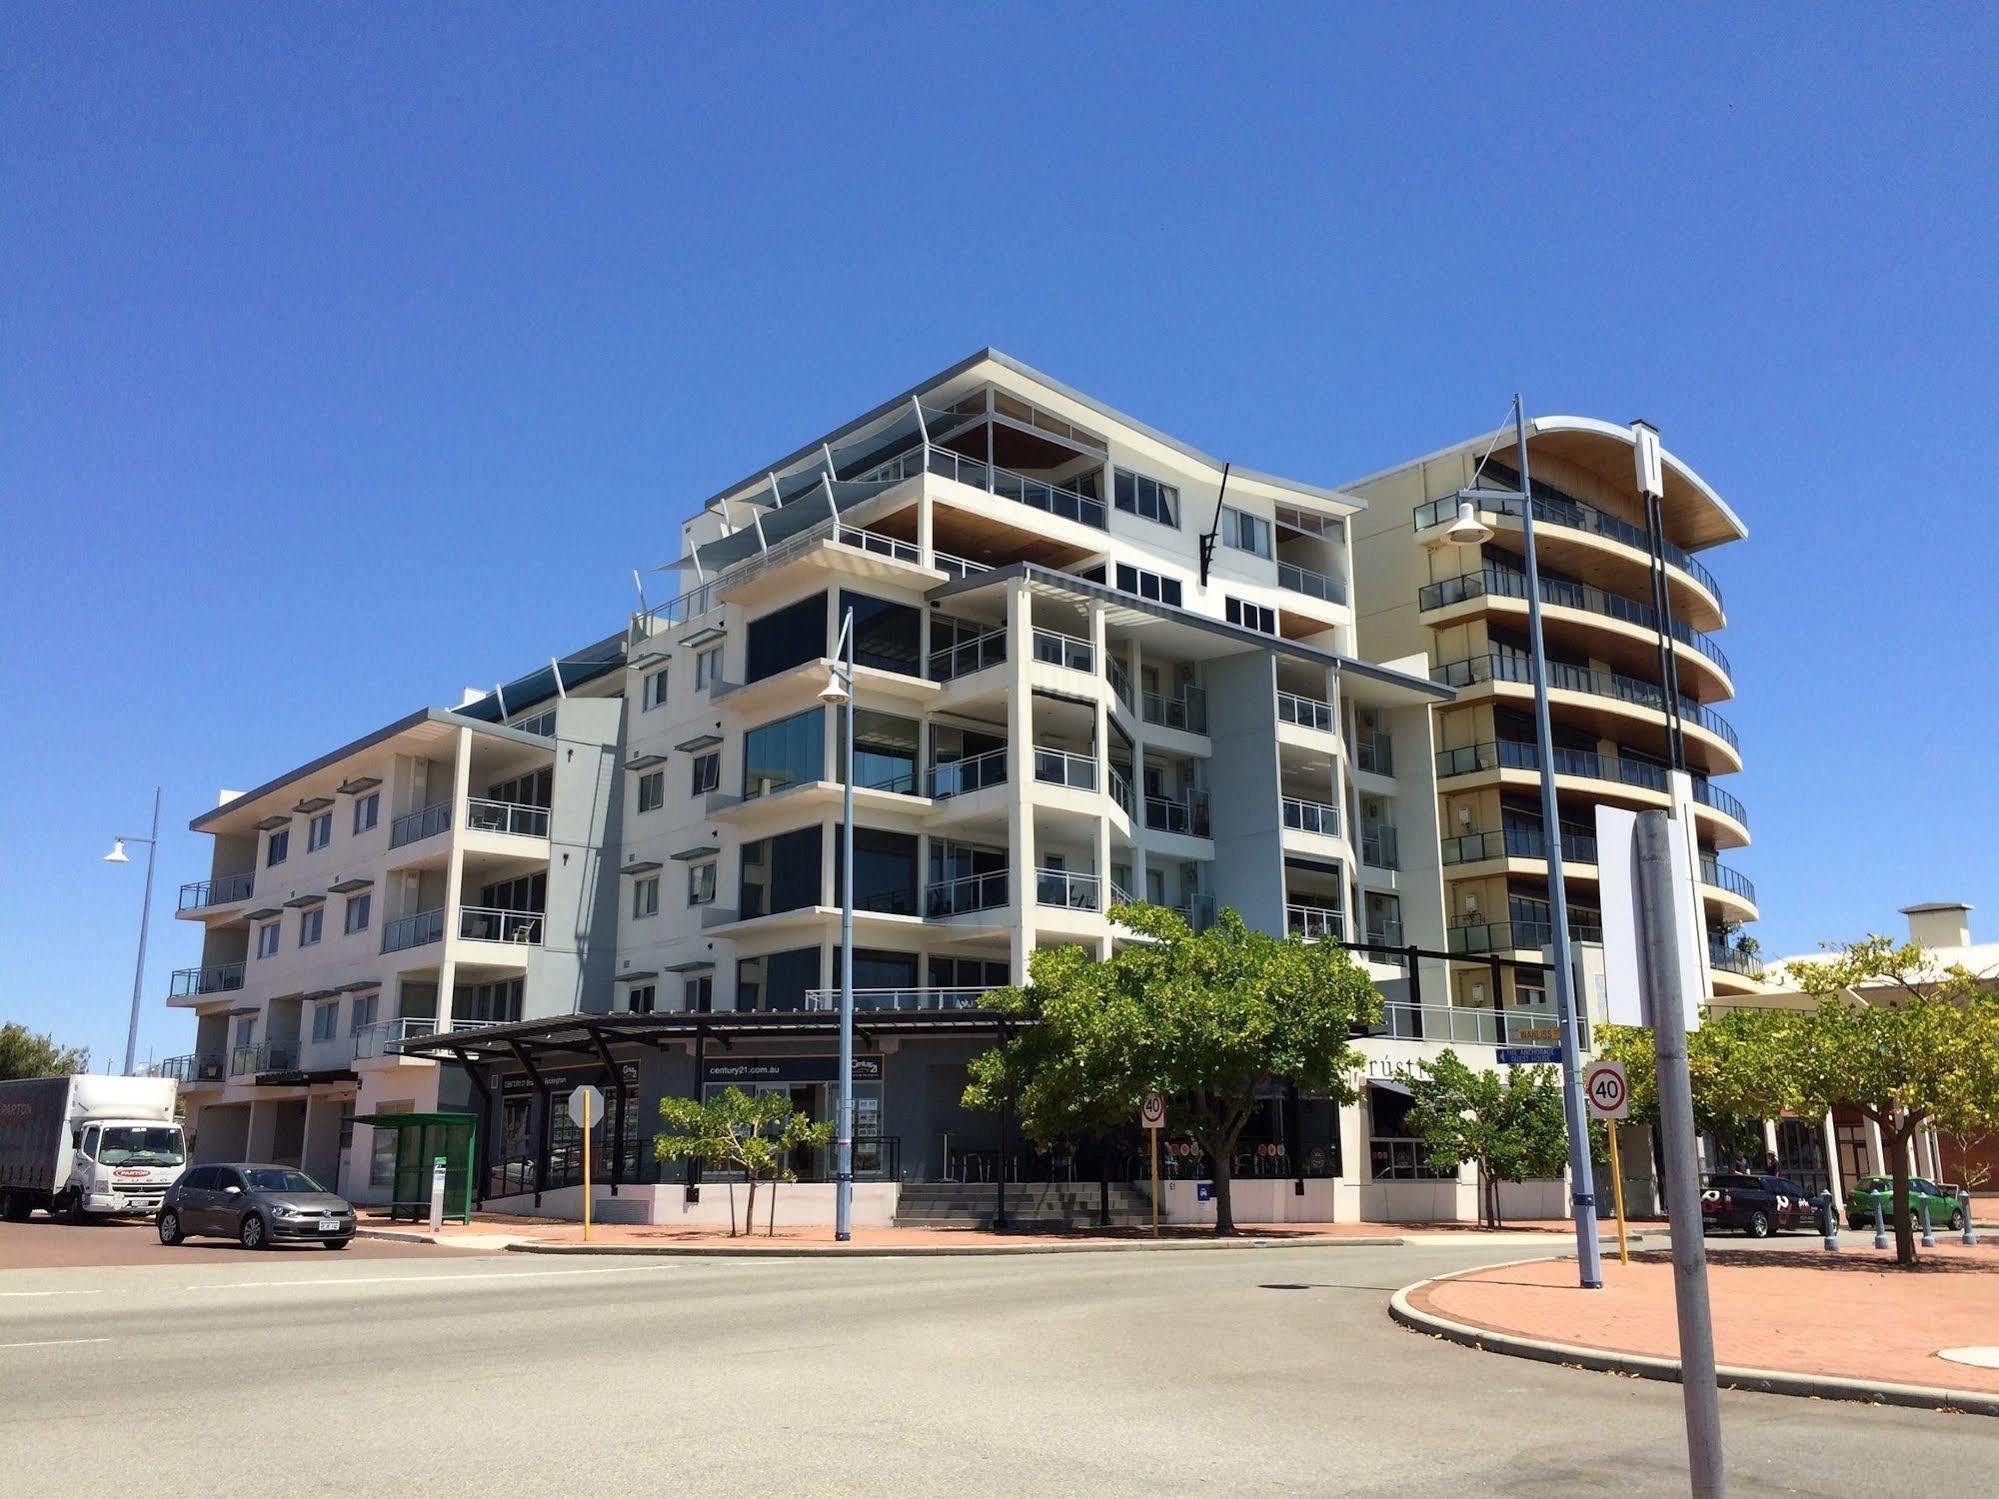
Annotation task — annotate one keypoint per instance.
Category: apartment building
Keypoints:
(1636, 679)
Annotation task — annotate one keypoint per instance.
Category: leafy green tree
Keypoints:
(24, 1053)
(754, 1133)
(1511, 1127)
(1207, 1018)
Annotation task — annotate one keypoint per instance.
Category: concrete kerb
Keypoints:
(946, 1251)
(1647, 1366)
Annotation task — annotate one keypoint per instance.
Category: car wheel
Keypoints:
(1957, 1220)
(252, 1232)
(1759, 1225)
(169, 1227)
(336, 1243)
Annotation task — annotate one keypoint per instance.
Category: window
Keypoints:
(784, 638)
(1252, 616)
(497, 1002)
(382, 1149)
(319, 832)
(1147, 497)
(1148, 585)
(697, 994)
(884, 872)
(246, 1030)
(784, 753)
(639, 1000)
(310, 924)
(707, 667)
(884, 750)
(279, 846)
(358, 908)
(777, 981)
(326, 1020)
(780, 874)
(361, 1014)
(1245, 532)
(707, 773)
(645, 896)
(652, 791)
(367, 810)
(886, 635)
(655, 690)
(267, 939)
(701, 883)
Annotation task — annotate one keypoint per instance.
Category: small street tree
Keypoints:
(1207, 1018)
(26, 1053)
(755, 1134)
(1510, 1127)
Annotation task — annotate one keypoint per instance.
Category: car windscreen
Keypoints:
(279, 1179)
(141, 1145)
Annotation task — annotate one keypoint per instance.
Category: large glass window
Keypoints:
(785, 637)
(784, 753)
(780, 874)
(1245, 532)
(884, 750)
(1147, 497)
(1148, 585)
(884, 871)
(777, 981)
(880, 970)
(886, 635)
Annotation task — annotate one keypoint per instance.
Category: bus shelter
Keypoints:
(420, 1140)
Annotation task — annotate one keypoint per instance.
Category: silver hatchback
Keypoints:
(257, 1206)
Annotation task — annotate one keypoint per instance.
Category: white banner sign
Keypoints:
(1617, 872)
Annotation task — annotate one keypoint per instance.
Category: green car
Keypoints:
(1945, 1210)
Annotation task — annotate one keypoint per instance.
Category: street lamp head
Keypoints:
(1468, 529)
(835, 691)
(117, 854)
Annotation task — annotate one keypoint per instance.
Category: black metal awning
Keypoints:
(583, 1035)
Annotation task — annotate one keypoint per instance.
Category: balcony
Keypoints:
(262, 1056)
(1314, 923)
(1374, 753)
(1711, 795)
(490, 924)
(1720, 954)
(193, 1069)
(1188, 712)
(1188, 818)
(418, 930)
(1514, 754)
(974, 773)
(221, 891)
(948, 663)
(1522, 936)
(517, 818)
(382, 1038)
(1563, 677)
(1053, 648)
(1723, 878)
(1121, 792)
(899, 1000)
(414, 827)
(1378, 848)
(961, 897)
(1036, 494)
(1517, 843)
(1057, 767)
(1501, 582)
(1312, 584)
(1306, 712)
(1305, 816)
(218, 978)
(1526, 1025)
(1075, 892)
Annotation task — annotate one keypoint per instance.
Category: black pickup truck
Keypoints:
(1758, 1206)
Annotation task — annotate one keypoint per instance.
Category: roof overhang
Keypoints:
(578, 1035)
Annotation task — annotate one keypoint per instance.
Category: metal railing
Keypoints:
(542, 725)
(1722, 877)
(1037, 494)
(1071, 651)
(1711, 795)
(1120, 680)
(262, 1056)
(1563, 677)
(873, 541)
(413, 931)
(1527, 936)
(216, 892)
(1189, 818)
(1551, 509)
(216, 978)
(1188, 711)
(381, 1038)
(1374, 753)
(1198, 911)
(1513, 754)
(1312, 584)
(194, 1067)
(1314, 923)
(1517, 843)
(1399, 1158)
(900, 781)
(1526, 1025)
(972, 892)
(1311, 817)
(1306, 712)
(1379, 849)
(1385, 934)
(1504, 582)
(490, 924)
(920, 998)
(1121, 792)
(974, 773)
(957, 567)
(1730, 960)
(1059, 767)
(1059, 887)
(425, 822)
(947, 663)
(519, 818)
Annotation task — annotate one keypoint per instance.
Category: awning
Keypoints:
(1390, 1085)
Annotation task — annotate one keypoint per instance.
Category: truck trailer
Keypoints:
(87, 1146)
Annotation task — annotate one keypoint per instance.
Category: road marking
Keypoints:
(470, 1277)
(54, 1343)
(50, 1293)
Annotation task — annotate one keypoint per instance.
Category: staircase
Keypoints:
(1029, 1205)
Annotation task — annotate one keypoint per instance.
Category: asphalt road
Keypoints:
(1264, 1371)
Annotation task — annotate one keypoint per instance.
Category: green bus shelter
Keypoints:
(420, 1140)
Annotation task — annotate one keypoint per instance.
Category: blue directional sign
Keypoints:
(1524, 1056)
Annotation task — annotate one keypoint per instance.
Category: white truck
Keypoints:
(87, 1146)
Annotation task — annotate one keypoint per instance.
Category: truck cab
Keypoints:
(123, 1165)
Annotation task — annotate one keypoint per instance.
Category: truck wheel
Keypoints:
(1759, 1224)
(74, 1210)
(15, 1207)
(251, 1232)
(170, 1228)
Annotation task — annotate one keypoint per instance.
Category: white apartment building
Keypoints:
(1093, 664)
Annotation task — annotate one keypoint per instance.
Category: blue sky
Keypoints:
(355, 356)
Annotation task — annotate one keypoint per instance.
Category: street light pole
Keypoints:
(840, 690)
(117, 856)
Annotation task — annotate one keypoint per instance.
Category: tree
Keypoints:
(1734, 1064)
(755, 1134)
(23, 1053)
(1207, 1018)
(1510, 1127)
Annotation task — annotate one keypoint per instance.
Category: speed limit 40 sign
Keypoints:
(1608, 1091)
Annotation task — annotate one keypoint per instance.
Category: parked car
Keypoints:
(1757, 1205)
(257, 1206)
(1945, 1209)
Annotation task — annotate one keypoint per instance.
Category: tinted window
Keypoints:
(201, 1179)
(784, 753)
(777, 981)
(885, 635)
(1751, 1183)
(785, 637)
(884, 872)
(780, 874)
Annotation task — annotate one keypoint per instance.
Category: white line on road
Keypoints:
(471, 1277)
(4, 1294)
(54, 1343)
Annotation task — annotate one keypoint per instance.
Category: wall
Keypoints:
(1244, 803)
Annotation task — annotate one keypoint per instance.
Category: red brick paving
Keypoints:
(40, 1244)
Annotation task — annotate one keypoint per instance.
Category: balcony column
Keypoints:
(1101, 754)
(1769, 1140)
(1133, 661)
(1020, 770)
(1877, 1159)
(926, 534)
(454, 879)
(1832, 1174)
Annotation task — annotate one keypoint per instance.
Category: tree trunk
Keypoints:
(1224, 1211)
(732, 1207)
(1905, 1227)
(770, 1230)
(750, 1212)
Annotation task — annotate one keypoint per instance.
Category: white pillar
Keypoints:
(1770, 1139)
(1832, 1175)
(454, 878)
(1937, 1165)
(1020, 769)
(1877, 1158)
(1134, 660)
(1925, 1162)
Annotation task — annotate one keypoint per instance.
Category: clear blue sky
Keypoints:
(352, 356)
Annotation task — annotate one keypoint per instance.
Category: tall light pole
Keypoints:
(839, 692)
(118, 856)
(1468, 529)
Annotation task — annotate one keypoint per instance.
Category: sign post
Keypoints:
(1152, 1114)
(586, 1107)
(437, 1195)
(1608, 1093)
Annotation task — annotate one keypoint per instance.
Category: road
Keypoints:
(1262, 1371)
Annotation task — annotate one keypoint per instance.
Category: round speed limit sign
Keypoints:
(1608, 1091)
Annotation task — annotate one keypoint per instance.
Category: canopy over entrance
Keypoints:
(420, 1140)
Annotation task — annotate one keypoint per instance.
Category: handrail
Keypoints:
(415, 930)
(1374, 752)
(216, 978)
(1504, 582)
(923, 997)
(1312, 817)
(522, 819)
(893, 547)
(1060, 767)
(957, 567)
(947, 463)
(262, 1056)
(1311, 583)
(950, 778)
(1379, 848)
(1188, 816)
(1060, 887)
(377, 1039)
(1121, 792)
(948, 663)
(1721, 955)
(972, 892)
(191, 1067)
(492, 924)
(1476, 1025)
(1507, 936)
(1709, 794)
(1070, 651)
(1563, 677)
(219, 891)
(1306, 712)
(1517, 843)
(1188, 711)
(1120, 680)
(1715, 873)
(425, 822)
(1515, 754)
(1314, 922)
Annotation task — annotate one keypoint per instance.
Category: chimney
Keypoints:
(1940, 923)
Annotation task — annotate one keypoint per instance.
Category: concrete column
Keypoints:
(1833, 1182)
(454, 879)
(1101, 749)
(1770, 1138)
(1877, 1159)
(925, 528)
(1020, 769)
(1937, 1166)
(260, 1131)
(1133, 661)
